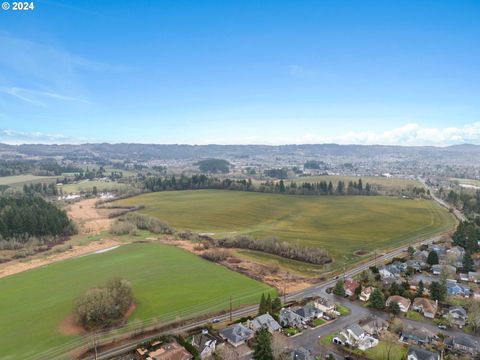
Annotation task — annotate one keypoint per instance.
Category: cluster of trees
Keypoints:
(43, 167)
(23, 217)
(314, 164)
(276, 173)
(214, 166)
(276, 247)
(467, 236)
(135, 221)
(195, 182)
(104, 306)
(41, 189)
(465, 200)
(267, 305)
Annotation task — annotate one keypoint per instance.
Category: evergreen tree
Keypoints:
(438, 291)
(282, 186)
(268, 304)
(377, 299)
(276, 305)
(432, 258)
(393, 308)
(420, 289)
(339, 289)
(263, 346)
(468, 264)
(262, 308)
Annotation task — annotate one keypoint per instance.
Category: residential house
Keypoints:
(456, 289)
(385, 274)
(171, 351)
(421, 256)
(425, 279)
(205, 343)
(402, 302)
(288, 318)
(366, 293)
(476, 294)
(301, 354)
(462, 344)
(355, 336)
(373, 325)
(425, 306)
(325, 306)
(350, 286)
(265, 321)
(439, 249)
(416, 265)
(456, 252)
(474, 276)
(416, 353)
(456, 315)
(237, 334)
(463, 277)
(448, 269)
(308, 312)
(411, 335)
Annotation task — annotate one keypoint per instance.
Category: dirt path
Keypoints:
(89, 219)
(14, 267)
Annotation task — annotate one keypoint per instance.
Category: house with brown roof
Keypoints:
(403, 303)
(350, 286)
(171, 351)
(425, 306)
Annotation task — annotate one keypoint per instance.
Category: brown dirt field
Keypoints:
(14, 267)
(69, 325)
(89, 219)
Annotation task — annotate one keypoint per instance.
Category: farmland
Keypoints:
(20, 180)
(87, 186)
(340, 224)
(167, 282)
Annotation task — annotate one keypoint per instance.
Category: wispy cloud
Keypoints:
(37, 97)
(9, 136)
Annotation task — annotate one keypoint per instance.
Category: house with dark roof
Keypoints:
(291, 319)
(237, 334)
(373, 325)
(308, 311)
(301, 354)
(462, 344)
(416, 353)
(410, 335)
(265, 321)
(350, 286)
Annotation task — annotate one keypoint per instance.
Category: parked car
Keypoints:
(443, 327)
(215, 321)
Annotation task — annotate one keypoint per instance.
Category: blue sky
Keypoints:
(390, 72)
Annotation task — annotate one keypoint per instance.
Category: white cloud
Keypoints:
(36, 97)
(13, 137)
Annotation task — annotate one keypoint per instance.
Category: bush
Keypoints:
(154, 225)
(216, 255)
(102, 307)
(123, 228)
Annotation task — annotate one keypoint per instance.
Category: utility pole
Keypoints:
(230, 307)
(285, 289)
(95, 344)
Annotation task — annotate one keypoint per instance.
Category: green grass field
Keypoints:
(167, 283)
(20, 180)
(340, 224)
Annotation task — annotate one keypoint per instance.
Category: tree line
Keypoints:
(23, 217)
(195, 182)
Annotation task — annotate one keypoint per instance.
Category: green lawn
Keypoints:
(380, 181)
(168, 283)
(340, 224)
(387, 350)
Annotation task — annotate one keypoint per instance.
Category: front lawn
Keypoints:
(343, 310)
(318, 322)
(290, 331)
(387, 350)
(413, 315)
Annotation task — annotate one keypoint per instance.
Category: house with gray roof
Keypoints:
(462, 344)
(301, 354)
(291, 319)
(237, 334)
(265, 321)
(456, 315)
(416, 353)
(205, 343)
